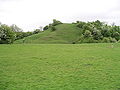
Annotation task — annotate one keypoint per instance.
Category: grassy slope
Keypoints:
(65, 33)
(60, 67)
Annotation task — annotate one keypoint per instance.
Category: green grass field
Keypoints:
(60, 67)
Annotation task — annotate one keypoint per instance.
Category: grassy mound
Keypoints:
(64, 33)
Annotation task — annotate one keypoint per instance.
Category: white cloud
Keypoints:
(30, 14)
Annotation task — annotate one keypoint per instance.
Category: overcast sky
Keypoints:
(31, 14)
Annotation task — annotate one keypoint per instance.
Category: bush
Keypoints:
(77, 21)
(81, 24)
(56, 22)
(87, 34)
(46, 27)
(86, 27)
(112, 40)
(53, 28)
(106, 40)
(36, 31)
(81, 39)
(97, 35)
(73, 23)
(116, 35)
(89, 40)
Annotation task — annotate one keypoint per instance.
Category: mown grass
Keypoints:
(60, 67)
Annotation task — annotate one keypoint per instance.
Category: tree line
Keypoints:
(8, 34)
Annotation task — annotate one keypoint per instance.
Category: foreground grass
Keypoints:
(60, 67)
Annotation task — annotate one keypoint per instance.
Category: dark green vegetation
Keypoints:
(79, 32)
(6, 34)
(60, 67)
(62, 33)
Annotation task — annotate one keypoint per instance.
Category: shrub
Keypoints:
(46, 27)
(77, 21)
(56, 22)
(53, 28)
(73, 23)
(106, 40)
(81, 24)
(87, 34)
(36, 31)
(112, 40)
(89, 40)
(97, 35)
(116, 35)
(81, 38)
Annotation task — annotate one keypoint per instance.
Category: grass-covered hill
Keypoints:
(64, 33)
(79, 32)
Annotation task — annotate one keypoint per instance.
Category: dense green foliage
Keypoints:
(8, 34)
(60, 67)
(98, 31)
